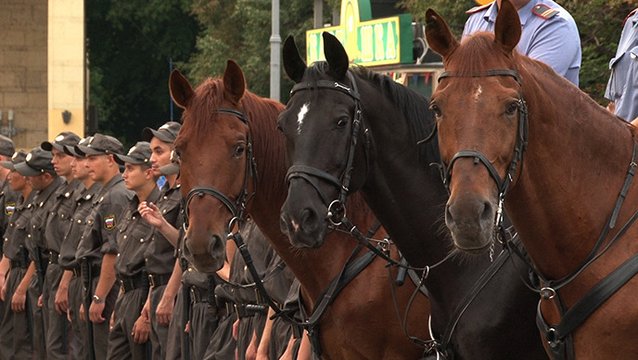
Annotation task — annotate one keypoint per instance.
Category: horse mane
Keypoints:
(262, 116)
(414, 106)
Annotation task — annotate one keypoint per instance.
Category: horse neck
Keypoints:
(572, 173)
(408, 197)
(313, 268)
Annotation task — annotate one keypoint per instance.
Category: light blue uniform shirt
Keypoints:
(554, 41)
(622, 87)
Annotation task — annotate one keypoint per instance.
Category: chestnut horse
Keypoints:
(229, 142)
(480, 309)
(513, 133)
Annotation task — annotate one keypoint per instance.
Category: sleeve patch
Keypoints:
(109, 222)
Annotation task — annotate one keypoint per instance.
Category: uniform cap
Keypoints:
(17, 157)
(6, 146)
(137, 155)
(100, 144)
(61, 141)
(167, 132)
(37, 161)
(70, 150)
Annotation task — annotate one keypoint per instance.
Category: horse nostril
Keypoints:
(308, 220)
(486, 213)
(448, 215)
(283, 224)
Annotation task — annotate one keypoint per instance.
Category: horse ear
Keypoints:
(507, 30)
(336, 56)
(438, 34)
(234, 82)
(294, 66)
(180, 89)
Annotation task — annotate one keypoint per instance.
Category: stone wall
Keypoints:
(23, 69)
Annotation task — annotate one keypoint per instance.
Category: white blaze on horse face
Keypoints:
(477, 93)
(301, 116)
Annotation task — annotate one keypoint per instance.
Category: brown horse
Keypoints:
(215, 146)
(512, 130)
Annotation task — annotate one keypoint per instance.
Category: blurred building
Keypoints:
(42, 62)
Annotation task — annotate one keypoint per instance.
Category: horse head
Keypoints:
(214, 149)
(323, 147)
(481, 119)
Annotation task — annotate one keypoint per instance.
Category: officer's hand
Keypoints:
(3, 292)
(18, 300)
(95, 313)
(112, 321)
(164, 310)
(251, 350)
(141, 330)
(187, 328)
(236, 329)
(82, 313)
(62, 300)
(40, 302)
(151, 213)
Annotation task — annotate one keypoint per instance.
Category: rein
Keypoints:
(559, 336)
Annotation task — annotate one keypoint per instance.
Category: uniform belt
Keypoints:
(155, 280)
(200, 295)
(95, 270)
(130, 283)
(19, 264)
(54, 256)
(248, 310)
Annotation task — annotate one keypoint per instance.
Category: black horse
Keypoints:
(350, 129)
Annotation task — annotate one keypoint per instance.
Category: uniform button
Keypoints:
(125, 236)
(79, 221)
(141, 240)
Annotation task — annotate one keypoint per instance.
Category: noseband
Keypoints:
(237, 208)
(336, 208)
(521, 143)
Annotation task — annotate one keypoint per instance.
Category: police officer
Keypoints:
(622, 87)
(40, 173)
(97, 250)
(83, 198)
(8, 200)
(129, 334)
(56, 280)
(163, 270)
(549, 33)
(16, 328)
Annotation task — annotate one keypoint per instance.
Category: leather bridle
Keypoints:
(504, 183)
(237, 208)
(336, 208)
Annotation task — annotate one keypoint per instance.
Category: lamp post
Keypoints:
(275, 52)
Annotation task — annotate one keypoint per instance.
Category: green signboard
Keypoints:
(368, 42)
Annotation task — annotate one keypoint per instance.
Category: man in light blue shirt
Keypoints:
(622, 88)
(549, 33)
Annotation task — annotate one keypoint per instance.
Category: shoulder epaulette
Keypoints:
(628, 16)
(543, 11)
(478, 8)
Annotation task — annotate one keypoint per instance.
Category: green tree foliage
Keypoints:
(130, 45)
(240, 30)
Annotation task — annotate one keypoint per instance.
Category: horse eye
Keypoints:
(511, 108)
(239, 150)
(435, 110)
(342, 122)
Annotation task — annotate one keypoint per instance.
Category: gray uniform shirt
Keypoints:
(17, 230)
(84, 204)
(8, 200)
(553, 40)
(133, 237)
(43, 201)
(60, 215)
(160, 252)
(109, 206)
(622, 87)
